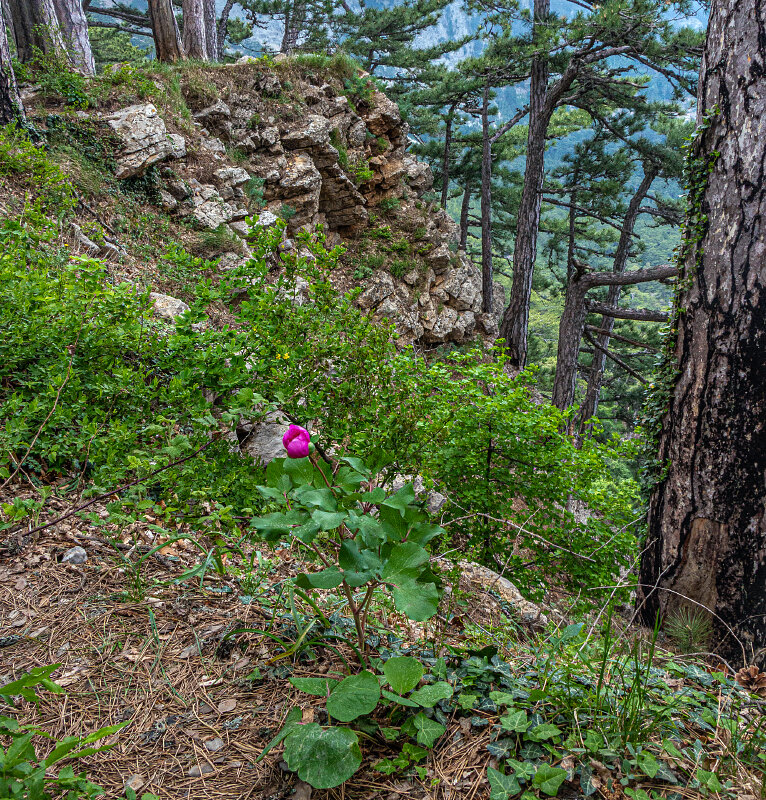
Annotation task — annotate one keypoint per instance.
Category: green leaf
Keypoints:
(377, 495)
(325, 579)
(430, 695)
(542, 732)
(318, 498)
(402, 701)
(423, 533)
(501, 787)
(354, 696)
(319, 687)
(278, 522)
(425, 731)
(324, 758)
(404, 563)
(402, 498)
(647, 763)
(403, 673)
(522, 769)
(328, 520)
(515, 721)
(300, 470)
(393, 523)
(417, 601)
(292, 720)
(548, 779)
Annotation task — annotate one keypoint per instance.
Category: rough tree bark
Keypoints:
(211, 31)
(167, 40)
(465, 207)
(295, 20)
(573, 320)
(596, 376)
(11, 108)
(194, 38)
(486, 206)
(35, 25)
(74, 27)
(446, 153)
(706, 542)
(515, 322)
(223, 21)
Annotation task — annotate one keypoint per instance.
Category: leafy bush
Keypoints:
(389, 204)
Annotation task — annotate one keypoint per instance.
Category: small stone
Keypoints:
(214, 745)
(178, 145)
(227, 705)
(134, 782)
(75, 555)
(266, 219)
(200, 769)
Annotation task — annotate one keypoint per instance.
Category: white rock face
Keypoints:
(144, 138)
(167, 308)
(264, 442)
(178, 145)
(210, 210)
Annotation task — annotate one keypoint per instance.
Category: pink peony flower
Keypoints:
(296, 441)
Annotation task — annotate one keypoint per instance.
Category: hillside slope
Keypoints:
(202, 150)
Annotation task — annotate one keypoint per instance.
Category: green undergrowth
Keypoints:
(568, 711)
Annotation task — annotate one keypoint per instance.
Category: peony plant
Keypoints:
(364, 537)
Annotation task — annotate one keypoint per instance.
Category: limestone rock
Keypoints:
(264, 441)
(313, 132)
(75, 555)
(210, 211)
(218, 111)
(177, 146)
(380, 286)
(383, 115)
(166, 307)
(440, 259)
(144, 139)
(463, 285)
(231, 176)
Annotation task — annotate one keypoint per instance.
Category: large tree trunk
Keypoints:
(74, 27)
(446, 154)
(295, 20)
(596, 376)
(35, 25)
(194, 41)
(706, 541)
(211, 31)
(167, 40)
(222, 23)
(515, 322)
(11, 108)
(465, 207)
(486, 207)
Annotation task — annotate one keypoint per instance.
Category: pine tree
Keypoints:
(11, 108)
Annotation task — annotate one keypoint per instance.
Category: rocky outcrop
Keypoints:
(322, 161)
(143, 137)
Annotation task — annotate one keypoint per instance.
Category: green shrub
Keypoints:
(369, 264)
(389, 204)
(254, 190)
(32, 166)
(361, 172)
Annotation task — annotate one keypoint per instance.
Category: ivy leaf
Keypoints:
(430, 695)
(542, 732)
(325, 579)
(417, 601)
(501, 787)
(424, 730)
(515, 721)
(324, 758)
(403, 673)
(354, 696)
(548, 779)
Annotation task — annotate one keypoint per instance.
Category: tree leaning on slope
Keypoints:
(707, 523)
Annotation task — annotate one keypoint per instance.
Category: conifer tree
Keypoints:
(11, 108)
